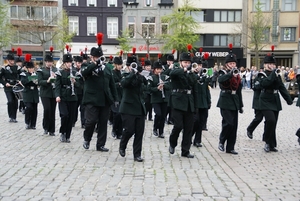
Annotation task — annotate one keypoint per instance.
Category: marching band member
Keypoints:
(30, 93)
(9, 76)
(78, 63)
(182, 101)
(159, 98)
(117, 127)
(65, 93)
(98, 95)
(132, 108)
(19, 63)
(46, 79)
(203, 100)
(269, 100)
(147, 94)
(230, 102)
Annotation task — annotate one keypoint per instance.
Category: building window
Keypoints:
(148, 2)
(264, 5)
(148, 27)
(224, 40)
(288, 34)
(91, 26)
(164, 28)
(266, 35)
(112, 27)
(198, 16)
(289, 5)
(131, 26)
(51, 16)
(200, 42)
(91, 3)
(73, 2)
(227, 16)
(73, 25)
(112, 3)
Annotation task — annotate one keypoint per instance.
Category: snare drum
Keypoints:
(18, 91)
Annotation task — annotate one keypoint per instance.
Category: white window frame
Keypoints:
(112, 27)
(291, 3)
(73, 3)
(265, 5)
(110, 3)
(198, 16)
(148, 28)
(91, 23)
(288, 34)
(74, 25)
(131, 24)
(91, 3)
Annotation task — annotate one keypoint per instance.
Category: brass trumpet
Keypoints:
(278, 72)
(235, 71)
(204, 71)
(133, 65)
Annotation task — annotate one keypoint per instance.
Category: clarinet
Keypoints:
(161, 82)
(72, 83)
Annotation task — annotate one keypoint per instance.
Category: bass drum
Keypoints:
(18, 91)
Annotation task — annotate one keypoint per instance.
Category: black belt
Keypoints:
(227, 91)
(66, 86)
(184, 91)
(269, 91)
(31, 87)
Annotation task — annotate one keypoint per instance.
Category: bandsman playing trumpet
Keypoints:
(65, 93)
(269, 100)
(230, 102)
(159, 89)
(203, 98)
(99, 94)
(46, 79)
(30, 93)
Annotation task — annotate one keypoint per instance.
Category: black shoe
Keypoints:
(33, 127)
(14, 120)
(155, 132)
(150, 119)
(161, 135)
(82, 126)
(197, 144)
(11, 120)
(68, 140)
(267, 148)
(221, 147)
(273, 149)
(171, 150)
(138, 159)
(249, 134)
(187, 155)
(113, 134)
(45, 132)
(63, 138)
(23, 111)
(122, 152)
(204, 129)
(86, 144)
(103, 149)
(119, 137)
(51, 134)
(27, 127)
(232, 152)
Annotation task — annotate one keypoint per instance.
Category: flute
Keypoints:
(161, 82)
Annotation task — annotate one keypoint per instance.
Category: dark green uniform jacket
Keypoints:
(203, 94)
(99, 86)
(117, 78)
(63, 87)
(9, 74)
(269, 98)
(30, 92)
(256, 93)
(184, 90)
(46, 89)
(158, 96)
(231, 91)
(132, 102)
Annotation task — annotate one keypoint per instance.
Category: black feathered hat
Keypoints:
(97, 51)
(270, 58)
(67, 57)
(230, 57)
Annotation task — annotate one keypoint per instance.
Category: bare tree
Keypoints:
(41, 23)
(255, 29)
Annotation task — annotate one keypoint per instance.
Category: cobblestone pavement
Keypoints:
(38, 167)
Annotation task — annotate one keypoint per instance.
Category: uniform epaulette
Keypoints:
(58, 73)
(23, 74)
(150, 78)
(223, 72)
(39, 69)
(19, 67)
(262, 74)
(167, 77)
